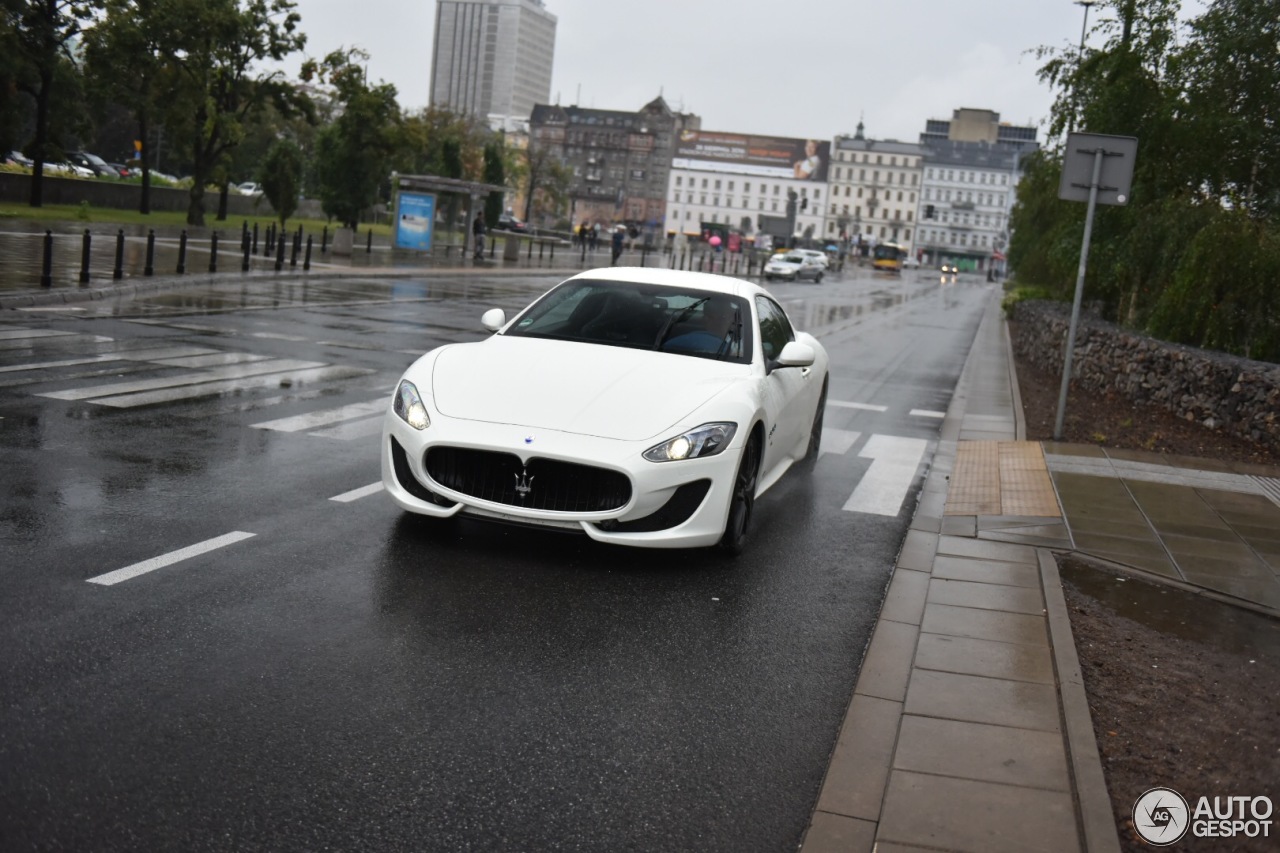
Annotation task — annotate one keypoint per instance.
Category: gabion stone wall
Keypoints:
(1219, 391)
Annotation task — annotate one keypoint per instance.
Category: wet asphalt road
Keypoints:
(351, 678)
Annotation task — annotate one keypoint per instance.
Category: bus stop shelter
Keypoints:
(472, 191)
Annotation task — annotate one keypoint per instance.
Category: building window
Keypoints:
(678, 180)
(746, 188)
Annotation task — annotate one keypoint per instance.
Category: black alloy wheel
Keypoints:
(815, 429)
(742, 503)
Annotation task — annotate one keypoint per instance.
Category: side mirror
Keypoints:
(795, 354)
(494, 319)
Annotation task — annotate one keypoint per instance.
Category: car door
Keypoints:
(784, 386)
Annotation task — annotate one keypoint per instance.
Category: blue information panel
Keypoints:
(415, 213)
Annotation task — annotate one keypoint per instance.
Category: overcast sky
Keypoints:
(804, 68)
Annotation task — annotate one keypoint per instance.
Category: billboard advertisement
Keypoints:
(765, 156)
(415, 215)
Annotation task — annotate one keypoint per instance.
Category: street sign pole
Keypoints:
(1111, 173)
(1079, 295)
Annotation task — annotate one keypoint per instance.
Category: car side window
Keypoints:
(775, 328)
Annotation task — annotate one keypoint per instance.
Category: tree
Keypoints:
(493, 174)
(546, 179)
(353, 154)
(218, 82)
(42, 31)
(124, 62)
(281, 177)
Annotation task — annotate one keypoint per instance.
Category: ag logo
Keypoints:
(1161, 816)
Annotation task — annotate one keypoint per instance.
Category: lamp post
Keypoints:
(1084, 29)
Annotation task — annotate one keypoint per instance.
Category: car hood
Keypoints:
(587, 389)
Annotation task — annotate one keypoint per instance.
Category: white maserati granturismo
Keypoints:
(643, 407)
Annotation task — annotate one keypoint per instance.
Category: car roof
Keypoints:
(673, 278)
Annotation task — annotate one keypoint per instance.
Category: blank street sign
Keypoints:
(1117, 167)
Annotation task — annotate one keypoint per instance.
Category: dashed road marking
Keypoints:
(927, 413)
(884, 487)
(837, 441)
(357, 494)
(128, 572)
(841, 404)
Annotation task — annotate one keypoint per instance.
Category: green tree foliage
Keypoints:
(40, 34)
(281, 177)
(354, 153)
(1183, 258)
(219, 81)
(494, 173)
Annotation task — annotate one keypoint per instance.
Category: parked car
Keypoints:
(17, 158)
(793, 266)
(507, 222)
(910, 262)
(641, 407)
(95, 164)
(123, 170)
(820, 257)
(249, 188)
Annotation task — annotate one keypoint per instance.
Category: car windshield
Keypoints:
(790, 259)
(684, 321)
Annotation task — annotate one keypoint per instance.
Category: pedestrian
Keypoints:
(619, 236)
(594, 236)
(477, 231)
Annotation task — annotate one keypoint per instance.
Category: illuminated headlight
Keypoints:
(408, 405)
(706, 440)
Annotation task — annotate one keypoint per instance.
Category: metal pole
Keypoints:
(306, 261)
(244, 252)
(254, 250)
(280, 254)
(46, 271)
(182, 252)
(118, 272)
(84, 257)
(324, 240)
(1079, 295)
(149, 268)
(1084, 28)
(213, 252)
(368, 243)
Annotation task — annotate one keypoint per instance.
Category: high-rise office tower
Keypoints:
(492, 57)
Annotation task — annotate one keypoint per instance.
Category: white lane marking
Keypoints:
(927, 413)
(324, 417)
(352, 429)
(357, 494)
(275, 365)
(217, 359)
(884, 487)
(209, 389)
(16, 334)
(113, 578)
(841, 404)
(837, 441)
(61, 308)
(277, 336)
(158, 353)
(71, 362)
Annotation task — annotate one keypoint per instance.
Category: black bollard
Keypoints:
(182, 252)
(553, 251)
(493, 246)
(213, 252)
(644, 253)
(244, 252)
(244, 231)
(255, 238)
(46, 271)
(306, 260)
(280, 254)
(270, 242)
(324, 240)
(368, 243)
(118, 272)
(84, 257)
(541, 246)
(293, 252)
(529, 255)
(150, 266)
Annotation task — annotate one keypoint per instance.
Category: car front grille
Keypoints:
(543, 484)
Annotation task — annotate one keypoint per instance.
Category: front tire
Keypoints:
(743, 501)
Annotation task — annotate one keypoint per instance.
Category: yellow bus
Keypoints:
(888, 256)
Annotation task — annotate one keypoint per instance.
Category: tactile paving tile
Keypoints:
(1001, 478)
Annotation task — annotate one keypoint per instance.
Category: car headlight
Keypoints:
(705, 440)
(408, 405)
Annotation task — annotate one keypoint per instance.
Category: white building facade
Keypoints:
(874, 190)
(964, 207)
(748, 185)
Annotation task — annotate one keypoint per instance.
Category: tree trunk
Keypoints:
(195, 209)
(42, 137)
(222, 202)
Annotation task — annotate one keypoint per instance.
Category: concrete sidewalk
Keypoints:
(969, 728)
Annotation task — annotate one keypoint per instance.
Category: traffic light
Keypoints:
(928, 211)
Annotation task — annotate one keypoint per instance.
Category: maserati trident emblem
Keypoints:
(524, 483)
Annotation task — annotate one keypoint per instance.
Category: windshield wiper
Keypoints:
(676, 318)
